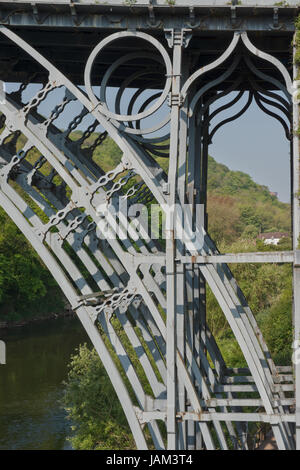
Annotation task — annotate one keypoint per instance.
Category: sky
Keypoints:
(255, 143)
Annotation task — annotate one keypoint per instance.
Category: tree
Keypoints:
(223, 217)
(24, 280)
(250, 231)
(93, 407)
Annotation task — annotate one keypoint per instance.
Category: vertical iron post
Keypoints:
(175, 41)
(296, 266)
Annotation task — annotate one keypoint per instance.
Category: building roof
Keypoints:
(270, 235)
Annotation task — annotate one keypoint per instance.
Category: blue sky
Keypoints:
(255, 144)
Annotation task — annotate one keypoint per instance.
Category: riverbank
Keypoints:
(67, 312)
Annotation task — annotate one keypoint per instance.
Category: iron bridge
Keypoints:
(147, 74)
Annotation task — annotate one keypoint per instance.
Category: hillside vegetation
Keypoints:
(238, 210)
(237, 206)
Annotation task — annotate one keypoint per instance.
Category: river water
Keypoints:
(37, 356)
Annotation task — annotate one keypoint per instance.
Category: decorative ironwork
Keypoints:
(141, 282)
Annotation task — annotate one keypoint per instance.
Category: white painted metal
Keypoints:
(146, 298)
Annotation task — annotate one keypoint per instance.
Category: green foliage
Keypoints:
(276, 326)
(238, 210)
(93, 406)
(107, 155)
(267, 288)
(224, 218)
(26, 287)
(129, 3)
(238, 207)
(282, 4)
(231, 351)
(297, 41)
(250, 232)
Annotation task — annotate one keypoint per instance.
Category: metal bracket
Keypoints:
(297, 259)
(192, 23)
(192, 16)
(36, 14)
(175, 99)
(276, 25)
(152, 22)
(74, 13)
(275, 18)
(166, 188)
(77, 21)
(233, 15)
(178, 37)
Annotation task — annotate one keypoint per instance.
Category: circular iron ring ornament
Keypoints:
(130, 129)
(102, 106)
(116, 64)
